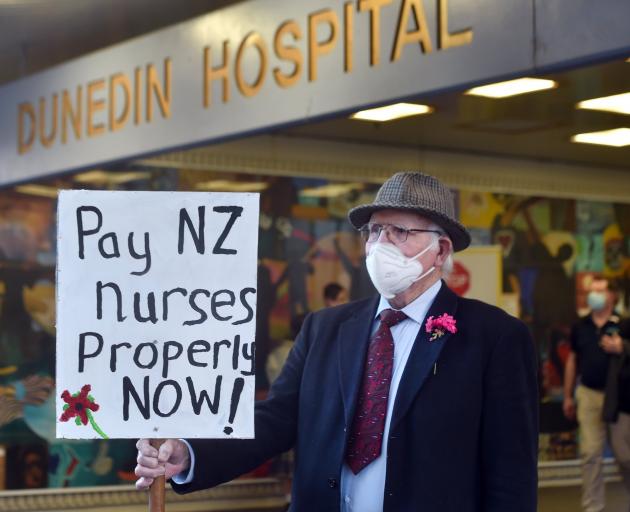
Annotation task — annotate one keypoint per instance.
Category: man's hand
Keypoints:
(172, 458)
(568, 408)
(611, 344)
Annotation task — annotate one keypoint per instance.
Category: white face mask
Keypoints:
(391, 271)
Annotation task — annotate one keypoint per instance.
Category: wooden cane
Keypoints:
(158, 487)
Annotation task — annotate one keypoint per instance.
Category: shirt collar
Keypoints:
(418, 308)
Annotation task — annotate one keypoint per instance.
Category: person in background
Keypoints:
(617, 397)
(596, 349)
(413, 399)
(334, 295)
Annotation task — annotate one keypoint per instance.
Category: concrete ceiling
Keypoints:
(534, 126)
(37, 34)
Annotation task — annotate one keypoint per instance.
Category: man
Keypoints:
(412, 400)
(617, 397)
(335, 295)
(597, 356)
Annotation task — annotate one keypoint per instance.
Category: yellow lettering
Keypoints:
(290, 53)
(348, 36)
(47, 140)
(212, 73)
(137, 92)
(72, 114)
(117, 82)
(94, 106)
(448, 39)
(374, 6)
(419, 35)
(25, 143)
(162, 91)
(253, 38)
(317, 48)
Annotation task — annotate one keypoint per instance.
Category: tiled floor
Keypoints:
(567, 499)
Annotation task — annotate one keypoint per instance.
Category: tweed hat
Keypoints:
(419, 193)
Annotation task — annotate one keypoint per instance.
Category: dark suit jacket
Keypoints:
(462, 438)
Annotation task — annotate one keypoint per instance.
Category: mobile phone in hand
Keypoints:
(611, 330)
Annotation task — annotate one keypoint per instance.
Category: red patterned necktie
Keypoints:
(366, 435)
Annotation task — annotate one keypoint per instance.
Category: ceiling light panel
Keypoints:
(38, 190)
(331, 190)
(619, 137)
(392, 112)
(618, 103)
(233, 186)
(512, 87)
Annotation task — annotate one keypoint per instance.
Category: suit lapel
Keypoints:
(352, 342)
(423, 356)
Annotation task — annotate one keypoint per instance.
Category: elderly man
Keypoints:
(413, 400)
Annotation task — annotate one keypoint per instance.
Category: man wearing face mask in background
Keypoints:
(597, 356)
(414, 399)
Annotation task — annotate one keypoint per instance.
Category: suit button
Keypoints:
(332, 483)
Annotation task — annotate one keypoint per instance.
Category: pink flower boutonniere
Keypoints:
(438, 326)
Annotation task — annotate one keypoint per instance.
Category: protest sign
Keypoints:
(156, 305)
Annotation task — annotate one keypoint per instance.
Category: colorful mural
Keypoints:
(550, 248)
(34, 458)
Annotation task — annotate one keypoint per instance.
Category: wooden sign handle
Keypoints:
(158, 487)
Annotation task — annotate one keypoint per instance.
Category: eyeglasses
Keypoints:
(397, 234)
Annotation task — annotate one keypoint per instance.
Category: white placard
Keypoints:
(156, 303)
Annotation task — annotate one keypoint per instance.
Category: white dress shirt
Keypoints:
(364, 492)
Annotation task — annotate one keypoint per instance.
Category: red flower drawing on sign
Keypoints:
(80, 406)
